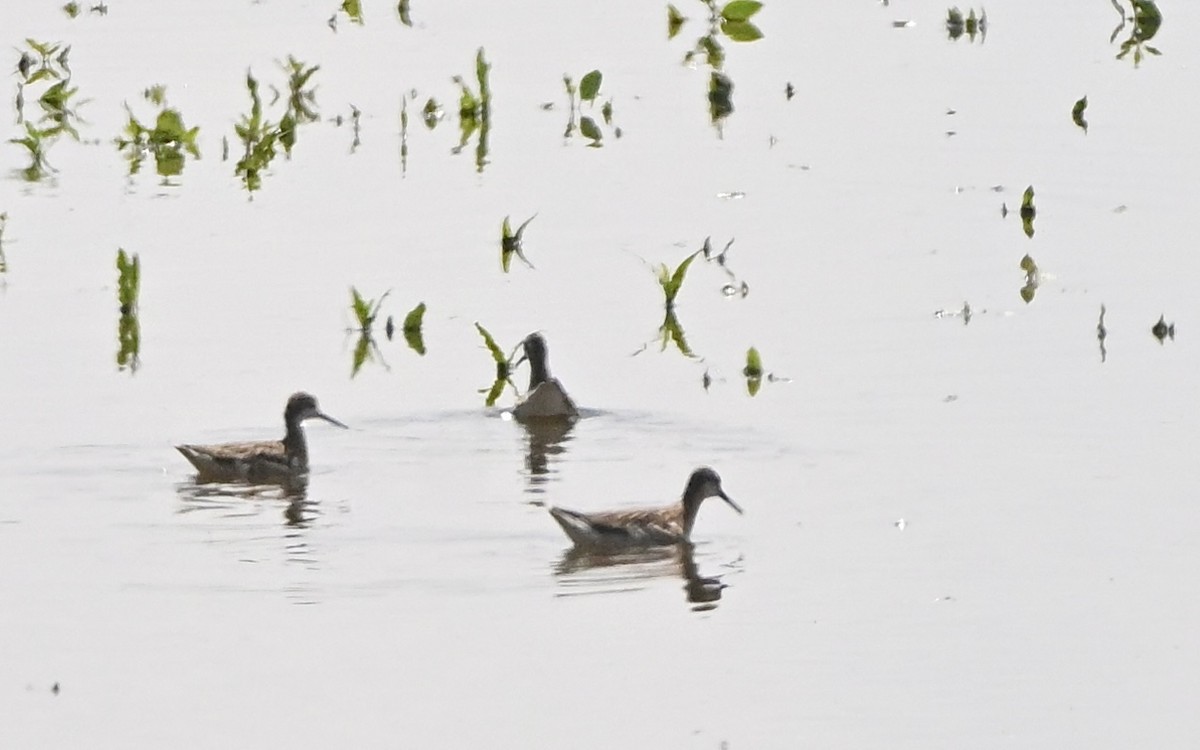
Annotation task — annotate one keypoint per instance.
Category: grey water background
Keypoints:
(958, 532)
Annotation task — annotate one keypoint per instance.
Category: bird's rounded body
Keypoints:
(643, 527)
(264, 461)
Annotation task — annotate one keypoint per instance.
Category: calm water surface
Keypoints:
(958, 533)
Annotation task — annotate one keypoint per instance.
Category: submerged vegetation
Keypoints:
(128, 328)
(587, 91)
(729, 21)
(365, 312)
(474, 111)
(1028, 212)
(412, 329)
(260, 137)
(503, 364)
(168, 140)
(671, 282)
(1077, 113)
(45, 66)
(510, 243)
(3, 226)
(1146, 20)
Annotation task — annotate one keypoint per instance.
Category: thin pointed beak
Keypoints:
(332, 421)
(732, 504)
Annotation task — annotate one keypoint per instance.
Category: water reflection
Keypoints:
(545, 438)
(586, 572)
(231, 498)
(243, 501)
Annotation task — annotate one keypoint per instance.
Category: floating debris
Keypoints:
(1163, 330)
(964, 313)
(1077, 113)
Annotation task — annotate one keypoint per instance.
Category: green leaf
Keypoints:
(362, 348)
(482, 67)
(671, 284)
(496, 390)
(754, 366)
(497, 354)
(353, 9)
(675, 21)
(362, 309)
(412, 329)
(741, 31)
(740, 10)
(1028, 212)
(590, 86)
(128, 281)
(1027, 199)
(1077, 113)
(589, 129)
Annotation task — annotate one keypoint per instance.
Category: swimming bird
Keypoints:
(269, 461)
(645, 527)
(546, 398)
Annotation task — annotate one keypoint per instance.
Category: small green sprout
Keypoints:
(128, 327)
(412, 329)
(1028, 212)
(503, 367)
(753, 371)
(671, 282)
(510, 243)
(365, 310)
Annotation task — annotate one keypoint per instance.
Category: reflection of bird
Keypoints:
(270, 461)
(644, 527)
(546, 398)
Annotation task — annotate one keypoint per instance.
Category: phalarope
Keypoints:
(546, 398)
(644, 527)
(263, 461)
